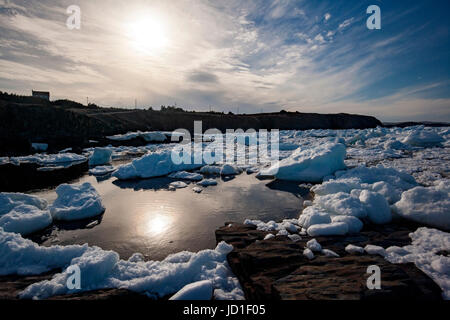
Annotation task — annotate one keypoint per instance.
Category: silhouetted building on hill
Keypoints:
(41, 94)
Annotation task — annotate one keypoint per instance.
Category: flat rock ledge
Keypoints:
(277, 269)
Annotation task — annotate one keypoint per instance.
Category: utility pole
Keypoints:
(87, 101)
(135, 103)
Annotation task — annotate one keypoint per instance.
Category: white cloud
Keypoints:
(327, 16)
(346, 23)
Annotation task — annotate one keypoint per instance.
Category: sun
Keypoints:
(148, 34)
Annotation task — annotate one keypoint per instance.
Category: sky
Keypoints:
(245, 56)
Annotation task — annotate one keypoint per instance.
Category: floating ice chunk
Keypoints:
(427, 205)
(76, 202)
(308, 253)
(335, 186)
(330, 253)
(102, 269)
(207, 182)
(289, 226)
(200, 290)
(311, 216)
(423, 138)
(378, 210)
(252, 170)
(154, 136)
(354, 224)
(95, 266)
(40, 146)
(177, 185)
(210, 170)
(395, 145)
(341, 204)
(373, 250)
(269, 236)
(24, 257)
(197, 189)
(184, 175)
(102, 170)
(330, 229)
(309, 165)
(60, 158)
(294, 237)
(282, 232)
(100, 156)
(155, 164)
(313, 245)
(395, 178)
(8, 201)
(229, 170)
(425, 252)
(25, 219)
(354, 249)
(136, 257)
(391, 194)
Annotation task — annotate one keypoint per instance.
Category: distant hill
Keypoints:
(65, 123)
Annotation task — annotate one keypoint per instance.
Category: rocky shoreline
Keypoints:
(276, 269)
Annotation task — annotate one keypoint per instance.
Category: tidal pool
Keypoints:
(145, 216)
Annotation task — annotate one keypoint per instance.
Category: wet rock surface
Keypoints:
(277, 269)
(11, 286)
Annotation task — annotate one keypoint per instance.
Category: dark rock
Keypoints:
(27, 176)
(277, 269)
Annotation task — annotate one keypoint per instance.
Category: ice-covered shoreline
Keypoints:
(374, 176)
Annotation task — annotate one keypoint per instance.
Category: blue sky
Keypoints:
(311, 56)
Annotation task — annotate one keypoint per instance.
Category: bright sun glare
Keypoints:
(148, 34)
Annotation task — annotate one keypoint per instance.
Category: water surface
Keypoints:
(144, 216)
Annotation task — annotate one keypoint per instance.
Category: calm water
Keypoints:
(144, 216)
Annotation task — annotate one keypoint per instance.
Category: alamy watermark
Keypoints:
(374, 280)
(239, 147)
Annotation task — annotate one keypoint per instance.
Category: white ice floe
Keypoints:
(426, 252)
(100, 156)
(76, 202)
(269, 236)
(313, 245)
(25, 219)
(155, 164)
(229, 170)
(149, 136)
(329, 253)
(354, 224)
(24, 257)
(103, 269)
(49, 159)
(177, 185)
(102, 170)
(378, 210)
(40, 146)
(308, 254)
(354, 249)
(285, 227)
(427, 205)
(8, 201)
(311, 216)
(375, 250)
(200, 290)
(207, 182)
(197, 189)
(211, 170)
(330, 229)
(184, 175)
(295, 237)
(309, 164)
(24, 214)
(423, 138)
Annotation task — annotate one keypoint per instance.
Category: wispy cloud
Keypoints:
(302, 55)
